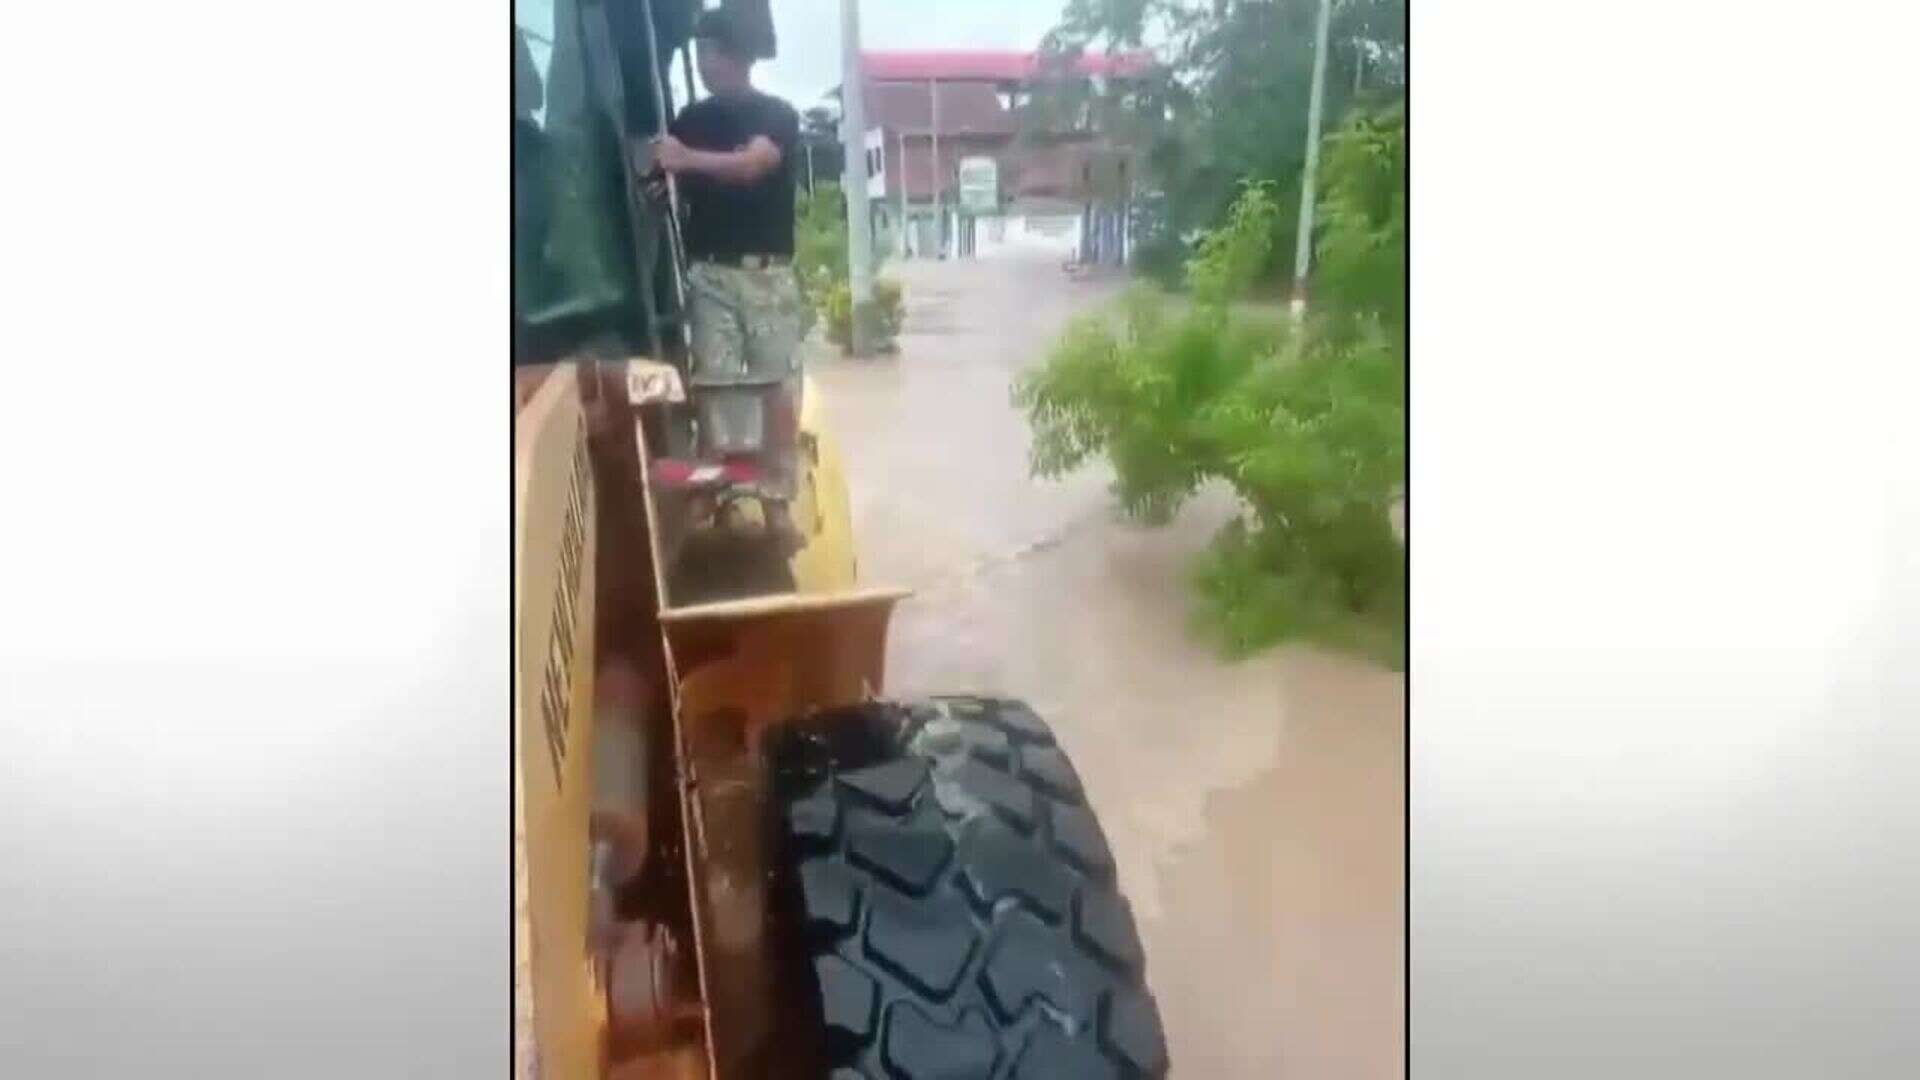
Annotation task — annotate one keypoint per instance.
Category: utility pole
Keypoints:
(1303, 245)
(939, 211)
(899, 183)
(853, 140)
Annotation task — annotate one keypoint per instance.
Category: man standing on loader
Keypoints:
(732, 157)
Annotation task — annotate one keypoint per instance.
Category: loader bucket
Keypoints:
(736, 669)
(740, 669)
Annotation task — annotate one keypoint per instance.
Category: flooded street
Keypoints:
(1255, 809)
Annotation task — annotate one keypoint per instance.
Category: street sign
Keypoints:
(979, 185)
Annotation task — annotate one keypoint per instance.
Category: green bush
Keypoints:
(820, 245)
(1315, 446)
(820, 262)
(1305, 422)
(838, 308)
(1231, 258)
(1361, 256)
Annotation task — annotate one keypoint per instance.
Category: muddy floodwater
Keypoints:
(1255, 809)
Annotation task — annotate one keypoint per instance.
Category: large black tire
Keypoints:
(951, 902)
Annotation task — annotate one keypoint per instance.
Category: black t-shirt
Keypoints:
(726, 220)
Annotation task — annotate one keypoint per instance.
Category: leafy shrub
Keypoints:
(820, 262)
(1315, 446)
(1234, 256)
(1304, 421)
(887, 296)
(1362, 251)
(820, 245)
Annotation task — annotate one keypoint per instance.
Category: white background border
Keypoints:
(253, 590)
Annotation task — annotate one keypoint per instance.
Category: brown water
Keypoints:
(1256, 809)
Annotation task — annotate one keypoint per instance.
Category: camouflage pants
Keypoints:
(747, 324)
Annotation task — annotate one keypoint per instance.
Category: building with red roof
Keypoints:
(930, 111)
(995, 66)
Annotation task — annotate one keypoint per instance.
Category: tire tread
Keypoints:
(959, 875)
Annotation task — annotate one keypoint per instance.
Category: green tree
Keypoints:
(1306, 423)
(1229, 102)
(1361, 254)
